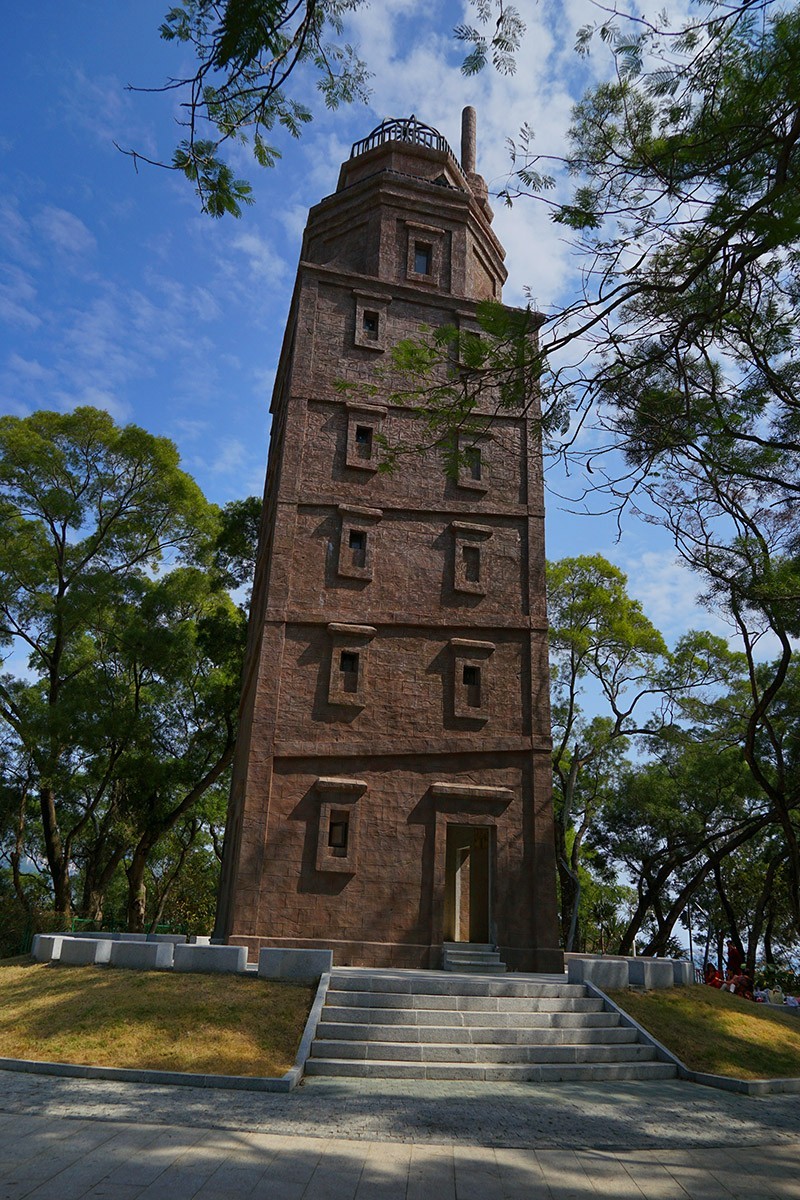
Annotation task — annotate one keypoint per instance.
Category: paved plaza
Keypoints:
(67, 1139)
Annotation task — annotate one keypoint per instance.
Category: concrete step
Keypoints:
(515, 1072)
(466, 1003)
(482, 1053)
(478, 946)
(453, 1018)
(476, 968)
(459, 1035)
(467, 961)
(443, 984)
(417, 1025)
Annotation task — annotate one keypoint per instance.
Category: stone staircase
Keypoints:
(433, 1025)
(476, 958)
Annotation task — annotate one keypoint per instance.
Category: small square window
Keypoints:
(338, 828)
(423, 258)
(472, 683)
(348, 665)
(473, 463)
(363, 439)
(357, 541)
(472, 564)
(369, 323)
(337, 834)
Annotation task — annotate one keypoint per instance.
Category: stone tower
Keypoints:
(391, 789)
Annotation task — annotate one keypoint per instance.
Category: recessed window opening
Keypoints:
(472, 564)
(348, 665)
(364, 441)
(423, 258)
(370, 324)
(472, 458)
(357, 541)
(338, 834)
(472, 682)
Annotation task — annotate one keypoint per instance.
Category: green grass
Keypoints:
(716, 1032)
(222, 1025)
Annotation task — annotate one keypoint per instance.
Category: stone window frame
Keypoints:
(428, 235)
(339, 798)
(467, 324)
(370, 303)
(349, 639)
(368, 416)
(471, 654)
(354, 518)
(475, 537)
(467, 443)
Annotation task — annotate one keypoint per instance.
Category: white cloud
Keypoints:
(18, 299)
(29, 370)
(65, 233)
(95, 397)
(261, 258)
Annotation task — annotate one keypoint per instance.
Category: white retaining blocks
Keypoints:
(142, 956)
(229, 960)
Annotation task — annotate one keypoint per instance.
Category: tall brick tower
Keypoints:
(391, 789)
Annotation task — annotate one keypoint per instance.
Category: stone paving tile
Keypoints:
(431, 1172)
(338, 1173)
(610, 1175)
(633, 1115)
(380, 1140)
(521, 1175)
(565, 1174)
(385, 1173)
(773, 1170)
(477, 1172)
(650, 1177)
(735, 1175)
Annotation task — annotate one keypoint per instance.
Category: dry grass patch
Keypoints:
(221, 1025)
(716, 1032)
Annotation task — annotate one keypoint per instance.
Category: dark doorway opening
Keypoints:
(468, 878)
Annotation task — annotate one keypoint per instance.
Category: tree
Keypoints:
(89, 512)
(601, 637)
(245, 53)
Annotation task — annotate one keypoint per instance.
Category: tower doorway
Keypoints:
(467, 902)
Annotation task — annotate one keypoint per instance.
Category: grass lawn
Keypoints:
(716, 1032)
(215, 1024)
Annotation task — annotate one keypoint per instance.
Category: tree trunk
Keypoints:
(17, 853)
(56, 860)
(96, 883)
(165, 892)
(758, 917)
(137, 892)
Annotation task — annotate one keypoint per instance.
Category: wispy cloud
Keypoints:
(18, 299)
(63, 232)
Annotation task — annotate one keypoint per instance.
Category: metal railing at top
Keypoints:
(404, 129)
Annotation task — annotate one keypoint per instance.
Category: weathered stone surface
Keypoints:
(607, 973)
(47, 947)
(142, 956)
(210, 959)
(300, 966)
(652, 972)
(684, 972)
(83, 951)
(420, 623)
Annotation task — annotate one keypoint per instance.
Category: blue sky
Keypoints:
(116, 291)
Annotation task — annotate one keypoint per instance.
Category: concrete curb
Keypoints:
(240, 1083)
(725, 1083)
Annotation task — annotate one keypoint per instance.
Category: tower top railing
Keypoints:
(405, 129)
